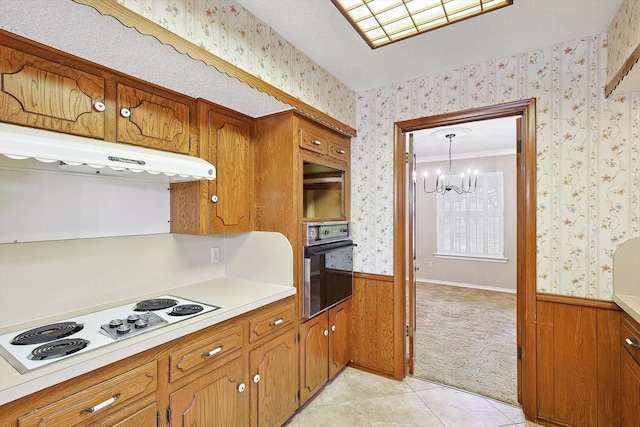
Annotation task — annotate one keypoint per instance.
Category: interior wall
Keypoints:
(458, 271)
(588, 176)
(42, 279)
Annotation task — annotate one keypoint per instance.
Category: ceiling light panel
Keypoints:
(381, 22)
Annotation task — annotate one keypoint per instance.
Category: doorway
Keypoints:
(466, 256)
(404, 252)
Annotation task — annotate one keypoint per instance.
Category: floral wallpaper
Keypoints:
(229, 31)
(623, 36)
(588, 158)
(588, 166)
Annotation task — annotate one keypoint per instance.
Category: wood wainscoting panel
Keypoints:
(372, 323)
(578, 356)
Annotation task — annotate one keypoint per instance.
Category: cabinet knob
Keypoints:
(256, 378)
(341, 152)
(333, 328)
(241, 387)
(326, 332)
(316, 142)
(99, 106)
(125, 112)
(276, 322)
(214, 198)
(632, 344)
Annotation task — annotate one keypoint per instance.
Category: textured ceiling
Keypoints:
(322, 33)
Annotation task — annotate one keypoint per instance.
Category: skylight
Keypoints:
(381, 22)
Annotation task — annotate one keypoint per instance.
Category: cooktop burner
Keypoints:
(47, 333)
(58, 348)
(32, 348)
(155, 304)
(185, 310)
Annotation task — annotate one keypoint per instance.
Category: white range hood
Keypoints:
(86, 155)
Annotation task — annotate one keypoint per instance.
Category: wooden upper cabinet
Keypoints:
(313, 138)
(230, 151)
(153, 119)
(44, 94)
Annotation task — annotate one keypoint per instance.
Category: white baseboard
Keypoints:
(468, 285)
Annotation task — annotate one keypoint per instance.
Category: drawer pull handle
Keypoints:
(316, 142)
(341, 151)
(276, 322)
(212, 352)
(632, 344)
(99, 406)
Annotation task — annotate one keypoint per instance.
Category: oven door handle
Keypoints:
(322, 249)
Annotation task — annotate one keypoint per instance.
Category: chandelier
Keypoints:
(444, 184)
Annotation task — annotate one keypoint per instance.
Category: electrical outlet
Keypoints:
(215, 255)
(430, 264)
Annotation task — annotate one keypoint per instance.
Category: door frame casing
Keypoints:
(526, 225)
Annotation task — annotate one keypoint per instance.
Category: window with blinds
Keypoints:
(472, 225)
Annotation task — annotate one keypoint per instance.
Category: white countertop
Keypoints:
(630, 304)
(234, 296)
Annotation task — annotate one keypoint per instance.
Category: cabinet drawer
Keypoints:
(44, 94)
(313, 140)
(339, 150)
(205, 352)
(93, 403)
(270, 322)
(630, 336)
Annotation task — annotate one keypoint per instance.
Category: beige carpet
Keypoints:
(466, 338)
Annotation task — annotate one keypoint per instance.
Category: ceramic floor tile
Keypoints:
(402, 409)
(337, 391)
(459, 409)
(419, 384)
(367, 385)
(346, 414)
(514, 413)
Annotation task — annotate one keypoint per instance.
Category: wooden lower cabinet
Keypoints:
(629, 371)
(107, 403)
(274, 380)
(324, 348)
(218, 399)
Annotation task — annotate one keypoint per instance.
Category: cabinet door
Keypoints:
(231, 153)
(44, 94)
(216, 399)
(274, 381)
(314, 355)
(339, 330)
(153, 121)
(629, 389)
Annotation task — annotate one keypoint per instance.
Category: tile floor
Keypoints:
(356, 398)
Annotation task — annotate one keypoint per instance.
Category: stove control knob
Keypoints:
(132, 318)
(123, 329)
(141, 323)
(115, 323)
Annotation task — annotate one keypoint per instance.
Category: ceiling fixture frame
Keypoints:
(382, 22)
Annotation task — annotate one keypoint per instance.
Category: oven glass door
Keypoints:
(328, 276)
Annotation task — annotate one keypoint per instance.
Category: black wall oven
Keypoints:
(328, 266)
